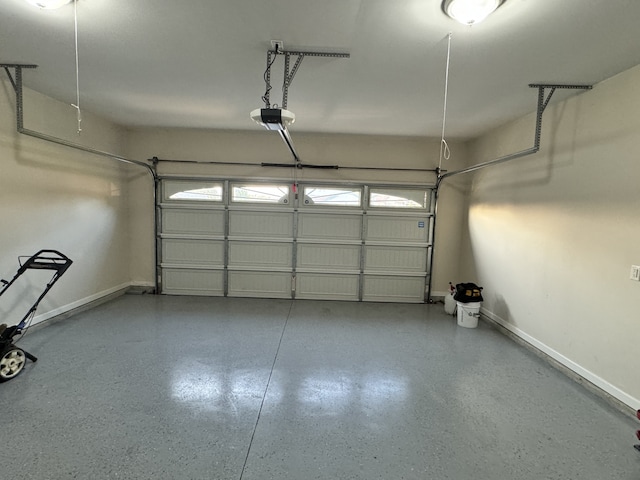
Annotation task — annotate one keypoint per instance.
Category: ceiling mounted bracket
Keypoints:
(16, 82)
(542, 105)
(543, 86)
(288, 76)
(16, 67)
(289, 73)
(278, 118)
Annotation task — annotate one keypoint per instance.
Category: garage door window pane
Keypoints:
(332, 196)
(193, 191)
(260, 193)
(398, 198)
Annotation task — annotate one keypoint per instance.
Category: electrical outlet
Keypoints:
(277, 45)
(635, 273)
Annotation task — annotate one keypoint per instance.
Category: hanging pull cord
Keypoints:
(445, 153)
(77, 104)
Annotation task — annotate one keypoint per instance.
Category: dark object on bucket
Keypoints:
(13, 358)
(468, 292)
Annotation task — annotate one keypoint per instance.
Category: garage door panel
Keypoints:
(260, 284)
(326, 286)
(261, 224)
(398, 229)
(380, 288)
(354, 242)
(193, 252)
(388, 258)
(181, 281)
(260, 254)
(326, 226)
(192, 222)
(328, 257)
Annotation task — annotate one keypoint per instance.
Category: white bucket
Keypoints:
(468, 314)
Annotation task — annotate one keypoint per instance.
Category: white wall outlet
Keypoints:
(635, 273)
(277, 45)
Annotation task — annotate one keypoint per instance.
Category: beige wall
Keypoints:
(552, 237)
(52, 197)
(258, 145)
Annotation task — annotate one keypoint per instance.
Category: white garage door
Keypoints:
(313, 241)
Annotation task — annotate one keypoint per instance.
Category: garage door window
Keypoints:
(398, 198)
(192, 191)
(332, 196)
(260, 193)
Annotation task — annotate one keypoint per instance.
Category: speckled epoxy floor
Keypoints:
(158, 387)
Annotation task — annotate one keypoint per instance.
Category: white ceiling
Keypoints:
(200, 63)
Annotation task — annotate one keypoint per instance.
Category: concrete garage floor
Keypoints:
(158, 387)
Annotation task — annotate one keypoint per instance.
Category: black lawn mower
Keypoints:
(13, 358)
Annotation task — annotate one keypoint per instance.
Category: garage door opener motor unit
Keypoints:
(13, 358)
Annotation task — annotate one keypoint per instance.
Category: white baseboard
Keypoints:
(78, 304)
(582, 372)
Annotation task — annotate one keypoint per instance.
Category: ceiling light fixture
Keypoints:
(49, 4)
(470, 12)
